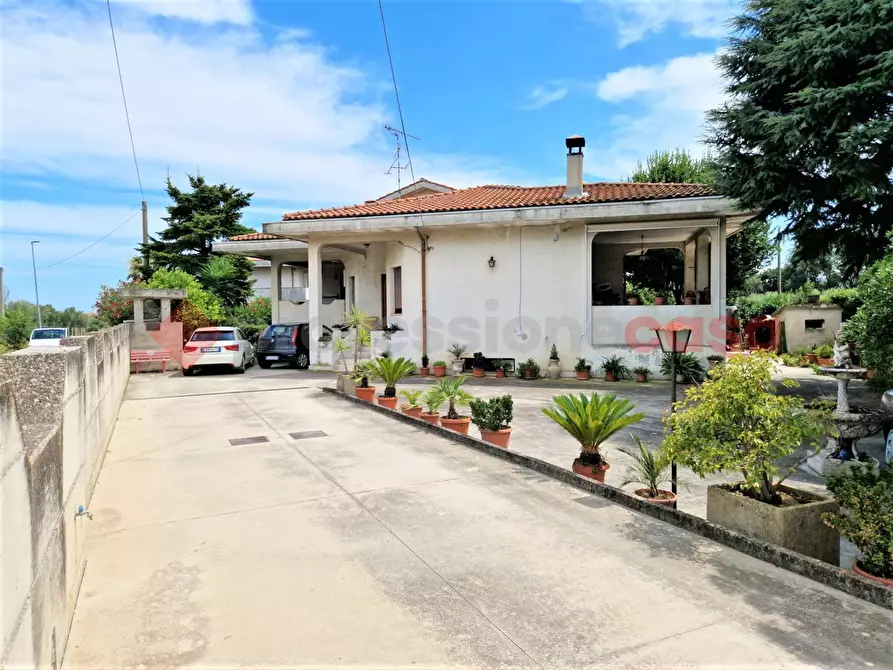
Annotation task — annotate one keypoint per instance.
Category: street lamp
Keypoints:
(673, 340)
(36, 295)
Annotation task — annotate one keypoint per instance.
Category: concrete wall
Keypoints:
(795, 317)
(58, 408)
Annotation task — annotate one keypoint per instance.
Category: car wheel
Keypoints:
(240, 370)
(302, 361)
(264, 365)
(188, 372)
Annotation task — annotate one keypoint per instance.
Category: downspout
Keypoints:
(424, 250)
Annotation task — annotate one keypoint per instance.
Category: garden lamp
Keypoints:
(673, 340)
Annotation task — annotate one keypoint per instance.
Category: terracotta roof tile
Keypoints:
(508, 197)
(248, 237)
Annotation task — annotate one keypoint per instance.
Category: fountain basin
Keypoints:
(846, 374)
(856, 425)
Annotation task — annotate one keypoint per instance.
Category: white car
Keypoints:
(47, 337)
(216, 346)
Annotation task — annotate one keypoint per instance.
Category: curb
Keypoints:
(824, 573)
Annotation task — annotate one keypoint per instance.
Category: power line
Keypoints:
(124, 98)
(387, 45)
(90, 246)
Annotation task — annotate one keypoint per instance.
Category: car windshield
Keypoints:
(48, 334)
(279, 331)
(212, 335)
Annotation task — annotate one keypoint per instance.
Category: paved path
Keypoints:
(377, 545)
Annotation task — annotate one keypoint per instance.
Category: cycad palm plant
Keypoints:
(413, 398)
(649, 468)
(592, 419)
(390, 371)
(450, 391)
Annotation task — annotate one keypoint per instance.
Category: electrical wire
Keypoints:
(90, 246)
(124, 98)
(387, 45)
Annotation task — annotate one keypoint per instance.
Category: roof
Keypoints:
(248, 237)
(419, 184)
(508, 197)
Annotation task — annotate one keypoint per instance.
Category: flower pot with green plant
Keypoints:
(737, 421)
(649, 469)
(583, 369)
(502, 366)
(493, 417)
(689, 369)
(590, 420)
(390, 371)
(529, 369)
(360, 376)
(641, 374)
(457, 351)
(554, 363)
(450, 391)
(431, 403)
(478, 366)
(715, 360)
(689, 298)
(344, 383)
(632, 299)
(440, 368)
(614, 368)
(413, 405)
(424, 370)
(865, 518)
(825, 355)
(660, 299)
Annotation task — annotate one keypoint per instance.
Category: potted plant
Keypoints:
(325, 339)
(583, 368)
(360, 376)
(689, 297)
(825, 355)
(457, 351)
(503, 367)
(660, 300)
(632, 299)
(689, 369)
(529, 369)
(413, 405)
(649, 469)
(344, 383)
(478, 365)
(493, 417)
(554, 363)
(641, 374)
(424, 371)
(450, 391)
(715, 360)
(614, 368)
(737, 421)
(431, 411)
(390, 371)
(590, 420)
(866, 518)
(440, 368)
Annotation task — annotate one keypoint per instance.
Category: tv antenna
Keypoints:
(396, 165)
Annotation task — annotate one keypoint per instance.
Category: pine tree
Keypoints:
(807, 132)
(196, 219)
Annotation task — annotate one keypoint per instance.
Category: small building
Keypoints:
(807, 325)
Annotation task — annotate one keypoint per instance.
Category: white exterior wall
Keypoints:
(794, 319)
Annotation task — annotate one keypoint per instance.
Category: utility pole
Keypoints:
(36, 294)
(2, 295)
(779, 265)
(145, 239)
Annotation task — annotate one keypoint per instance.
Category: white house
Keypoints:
(506, 270)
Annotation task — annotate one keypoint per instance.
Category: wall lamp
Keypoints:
(491, 262)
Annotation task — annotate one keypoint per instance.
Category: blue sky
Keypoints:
(288, 99)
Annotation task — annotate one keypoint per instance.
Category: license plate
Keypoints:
(272, 358)
(210, 350)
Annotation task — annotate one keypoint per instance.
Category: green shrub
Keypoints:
(205, 302)
(874, 322)
(253, 317)
(615, 365)
(687, 365)
(15, 328)
(792, 360)
(737, 421)
(439, 364)
(866, 516)
(531, 365)
(582, 365)
(824, 351)
(493, 413)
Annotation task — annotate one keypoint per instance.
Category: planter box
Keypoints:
(798, 528)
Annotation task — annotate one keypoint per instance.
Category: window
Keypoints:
(398, 290)
(212, 335)
(351, 292)
(815, 324)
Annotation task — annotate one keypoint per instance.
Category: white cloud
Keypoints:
(636, 18)
(541, 96)
(663, 107)
(201, 11)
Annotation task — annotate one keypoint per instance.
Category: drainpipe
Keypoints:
(424, 247)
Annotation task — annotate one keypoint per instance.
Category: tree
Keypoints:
(221, 275)
(807, 132)
(872, 325)
(16, 325)
(746, 251)
(196, 219)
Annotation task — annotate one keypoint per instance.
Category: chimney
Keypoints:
(574, 144)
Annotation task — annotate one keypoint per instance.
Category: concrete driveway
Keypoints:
(372, 544)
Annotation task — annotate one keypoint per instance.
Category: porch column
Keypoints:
(138, 318)
(314, 294)
(165, 310)
(275, 283)
(690, 264)
(718, 269)
(702, 262)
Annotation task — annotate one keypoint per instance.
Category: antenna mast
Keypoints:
(396, 165)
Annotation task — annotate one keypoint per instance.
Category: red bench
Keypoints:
(150, 356)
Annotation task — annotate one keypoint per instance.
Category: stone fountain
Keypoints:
(852, 422)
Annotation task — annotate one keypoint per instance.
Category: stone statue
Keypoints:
(841, 351)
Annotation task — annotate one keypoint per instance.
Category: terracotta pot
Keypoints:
(869, 374)
(478, 372)
(431, 417)
(366, 394)
(583, 375)
(424, 372)
(459, 425)
(498, 437)
(500, 373)
(859, 571)
(663, 502)
(688, 301)
(812, 359)
(610, 377)
(826, 362)
(641, 378)
(632, 301)
(660, 300)
(528, 374)
(590, 472)
(440, 370)
(390, 403)
(409, 410)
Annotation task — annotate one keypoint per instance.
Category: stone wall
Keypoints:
(58, 407)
